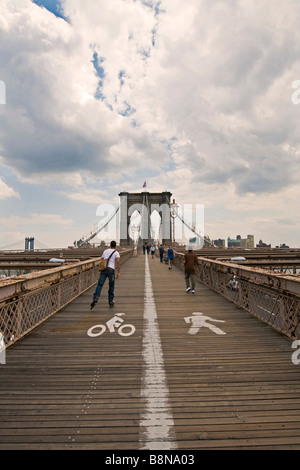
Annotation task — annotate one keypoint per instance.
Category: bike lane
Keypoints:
(114, 338)
(74, 391)
(135, 320)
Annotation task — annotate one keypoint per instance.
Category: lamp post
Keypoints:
(174, 213)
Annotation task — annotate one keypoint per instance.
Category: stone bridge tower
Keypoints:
(145, 203)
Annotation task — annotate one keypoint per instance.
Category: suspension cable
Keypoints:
(84, 242)
(192, 229)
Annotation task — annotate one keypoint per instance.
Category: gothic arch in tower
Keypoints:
(145, 203)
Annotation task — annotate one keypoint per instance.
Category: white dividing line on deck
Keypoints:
(157, 425)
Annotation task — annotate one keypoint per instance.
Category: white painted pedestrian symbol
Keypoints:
(201, 321)
(112, 325)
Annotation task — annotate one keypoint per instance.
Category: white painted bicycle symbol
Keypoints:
(112, 325)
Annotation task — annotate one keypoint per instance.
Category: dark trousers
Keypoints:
(188, 277)
(110, 273)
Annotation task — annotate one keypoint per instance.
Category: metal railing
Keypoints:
(28, 300)
(273, 298)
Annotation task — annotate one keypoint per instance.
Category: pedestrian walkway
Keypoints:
(162, 369)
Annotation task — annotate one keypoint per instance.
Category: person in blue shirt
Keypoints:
(170, 256)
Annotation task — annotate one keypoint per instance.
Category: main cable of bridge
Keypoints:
(99, 229)
(191, 228)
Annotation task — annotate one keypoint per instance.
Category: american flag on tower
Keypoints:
(144, 185)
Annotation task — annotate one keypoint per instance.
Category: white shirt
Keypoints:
(112, 262)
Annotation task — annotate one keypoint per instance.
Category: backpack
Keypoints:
(104, 262)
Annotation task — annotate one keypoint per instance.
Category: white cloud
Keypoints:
(194, 97)
(62, 127)
(6, 191)
(90, 196)
(53, 220)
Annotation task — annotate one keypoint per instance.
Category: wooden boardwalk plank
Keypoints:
(61, 389)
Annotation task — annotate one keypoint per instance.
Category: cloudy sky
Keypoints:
(195, 97)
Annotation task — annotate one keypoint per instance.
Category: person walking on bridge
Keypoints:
(113, 257)
(190, 261)
(161, 253)
(171, 255)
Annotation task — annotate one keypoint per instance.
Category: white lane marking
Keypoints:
(157, 420)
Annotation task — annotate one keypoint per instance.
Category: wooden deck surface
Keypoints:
(62, 389)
